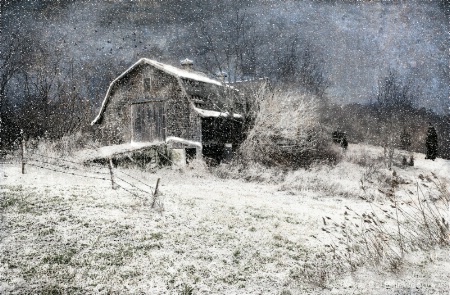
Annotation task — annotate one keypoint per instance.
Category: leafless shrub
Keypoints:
(197, 168)
(363, 156)
(287, 133)
(326, 265)
(369, 176)
(382, 236)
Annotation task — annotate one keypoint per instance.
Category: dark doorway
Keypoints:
(147, 121)
(191, 154)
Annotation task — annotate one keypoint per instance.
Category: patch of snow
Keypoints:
(184, 141)
(126, 147)
(232, 87)
(215, 114)
(108, 151)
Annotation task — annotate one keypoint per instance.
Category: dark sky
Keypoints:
(359, 42)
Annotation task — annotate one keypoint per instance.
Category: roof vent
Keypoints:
(187, 64)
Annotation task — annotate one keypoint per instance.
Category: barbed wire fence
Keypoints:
(118, 178)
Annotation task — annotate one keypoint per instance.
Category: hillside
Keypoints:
(215, 233)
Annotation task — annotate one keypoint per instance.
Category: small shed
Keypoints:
(159, 103)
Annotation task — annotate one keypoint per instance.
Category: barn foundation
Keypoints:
(178, 157)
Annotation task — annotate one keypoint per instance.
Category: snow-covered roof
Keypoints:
(183, 141)
(214, 114)
(171, 70)
(109, 151)
(180, 72)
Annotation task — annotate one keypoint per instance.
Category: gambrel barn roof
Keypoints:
(185, 78)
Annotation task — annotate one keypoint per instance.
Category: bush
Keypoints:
(340, 138)
(287, 133)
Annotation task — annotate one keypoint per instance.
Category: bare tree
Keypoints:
(14, 55)
(300, 64)
(394, 105)
(312, 74)
(55, 96)
(226, 44)
(288, 62)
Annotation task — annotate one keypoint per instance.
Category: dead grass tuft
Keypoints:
(383, 236)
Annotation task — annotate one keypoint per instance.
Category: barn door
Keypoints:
(147, 121)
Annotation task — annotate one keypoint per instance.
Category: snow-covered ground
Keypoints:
(64, 233)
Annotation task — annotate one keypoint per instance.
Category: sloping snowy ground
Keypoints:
(63, 233)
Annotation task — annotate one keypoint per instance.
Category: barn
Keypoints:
(152, 102)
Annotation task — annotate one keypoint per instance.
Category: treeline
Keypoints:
(391, 120)
(361, 123)
(45, 94)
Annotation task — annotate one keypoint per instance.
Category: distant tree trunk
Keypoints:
(405, 140)
(431, 143)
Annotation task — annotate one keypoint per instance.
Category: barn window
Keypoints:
(147, 84)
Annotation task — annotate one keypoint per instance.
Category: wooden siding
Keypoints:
(148, 121)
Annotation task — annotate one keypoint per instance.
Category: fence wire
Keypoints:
(129, 191)
(67, 161)
(60, 166)
(59, 159)
(70, 173)
(66, 167)
(133, 186)
(132, 177)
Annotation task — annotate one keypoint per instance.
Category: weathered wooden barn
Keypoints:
(160, 103)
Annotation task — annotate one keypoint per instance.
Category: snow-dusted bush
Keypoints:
(287, 133)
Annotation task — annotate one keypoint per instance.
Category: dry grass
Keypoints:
(385, 234)
(63, 147)
(401, 224)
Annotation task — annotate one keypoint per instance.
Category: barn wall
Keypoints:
(114, 128)
(179, 118)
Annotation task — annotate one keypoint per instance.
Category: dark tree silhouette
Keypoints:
(405, 140)
(340, 138)
(431, 143)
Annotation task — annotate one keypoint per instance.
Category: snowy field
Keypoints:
(258, 232)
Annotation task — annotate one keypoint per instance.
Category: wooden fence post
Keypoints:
(155, 194)
(23, 154)
(111, 172)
